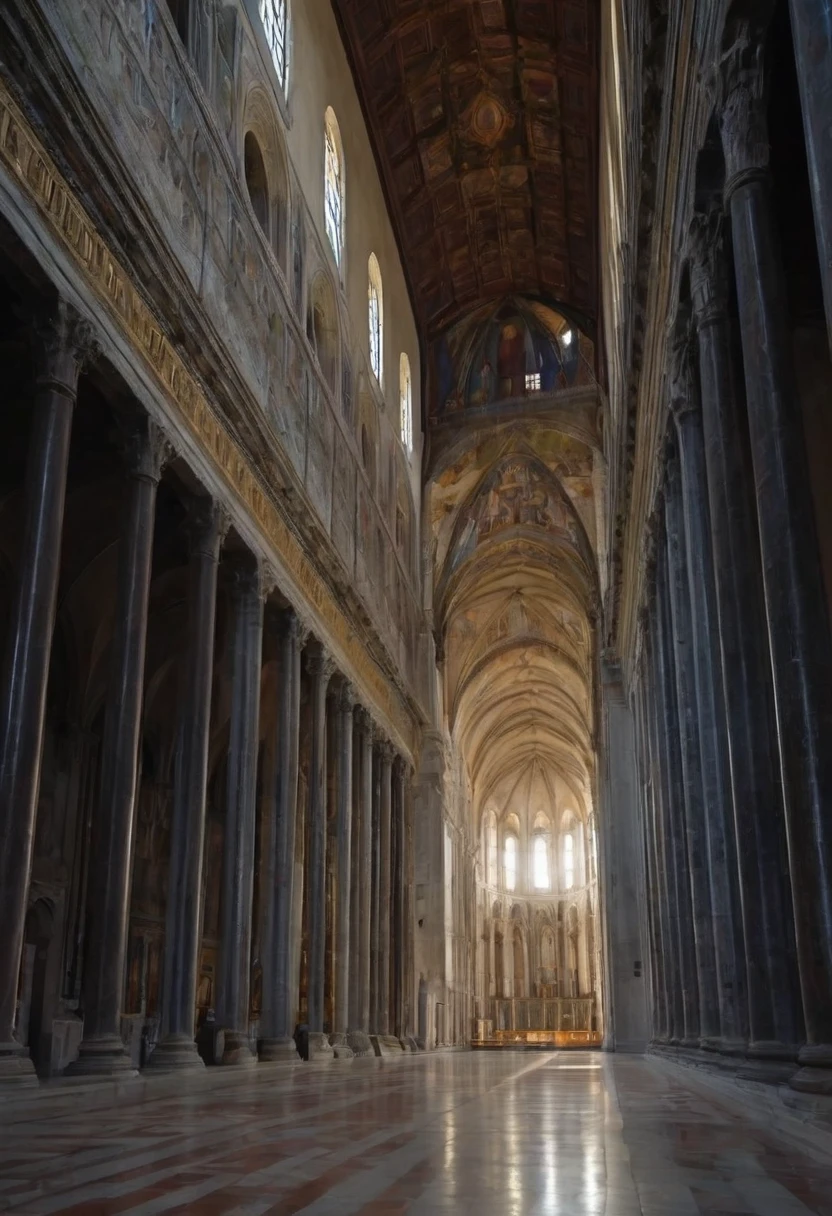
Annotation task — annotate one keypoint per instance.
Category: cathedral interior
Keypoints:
(415, 582)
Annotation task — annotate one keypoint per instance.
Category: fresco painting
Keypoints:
(523, 349)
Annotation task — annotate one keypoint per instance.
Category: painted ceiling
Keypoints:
(484, 116)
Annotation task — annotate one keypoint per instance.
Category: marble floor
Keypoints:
(488, 1134)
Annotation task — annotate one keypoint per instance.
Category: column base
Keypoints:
(360, 1043)
(176, 1053)
(320, 1051)
(16, 1067)
(385, 1045)
(815, 1074)
(341, 1047)
(733, 1048)
(237, 1052)
(102, 1056)
(278, 1051)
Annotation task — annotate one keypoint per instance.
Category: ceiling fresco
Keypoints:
(484, 115)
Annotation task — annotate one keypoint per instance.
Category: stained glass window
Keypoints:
(405, 403)
(275, 17)
(375, 317)
(333, 186)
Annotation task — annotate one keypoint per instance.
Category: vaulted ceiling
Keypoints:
(484, 115)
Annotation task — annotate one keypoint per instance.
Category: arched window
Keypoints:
(375, 317)
(568, 861)
(540, 863)
(405, 403)
(256, 181)
(491, 849)
(275, 17)
(333, 184)
(510, 862)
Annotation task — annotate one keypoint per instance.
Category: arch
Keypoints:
(274, 15)
(257, 183)
(333, 184)
(322, 328)
(405, 403)
(375, 318)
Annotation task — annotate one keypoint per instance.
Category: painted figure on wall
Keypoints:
(521, 349)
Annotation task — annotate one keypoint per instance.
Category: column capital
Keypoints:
(206, 525)
(708, 258)
(289, 625)
(346, 697)
(742, 115)
(683, 399)
(145, 446)
(245, 573)
(66, 342)
(319, 663)
(385, 749)
(365, 721)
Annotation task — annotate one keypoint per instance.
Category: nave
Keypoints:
(491, 1133)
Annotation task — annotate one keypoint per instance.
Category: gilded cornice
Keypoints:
(25, 158)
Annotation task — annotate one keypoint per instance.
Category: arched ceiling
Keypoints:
(484, 115)
(515, 593)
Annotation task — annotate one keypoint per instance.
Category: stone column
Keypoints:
(668, 745)
(246, 645)
(358, 1037)
(102, 1049)
(63, 344)
(680, 646)
(355, 870)
(344, 750)
(384, 886)
(710, 705)
(775, 1021)
(177, 1048)
(812, 34)
(796, 609)
(375, 902)
(320, 669)
(282, 931)
(400, 901)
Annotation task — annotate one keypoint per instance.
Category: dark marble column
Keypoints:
(812, 34)
(375, 902)
(355, 870)
(384, 886)
(775, 1021)
(245, 645)
(281, 931)
(344, 751)
(666, 729)
(358, 1038)
(320, 669)
(710, 705)
(399, 944)
(648, 795)
(681, 646)
(64, 342)
(796, 609)
(177, 1048)
(102, 1049)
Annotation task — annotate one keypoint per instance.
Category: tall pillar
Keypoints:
(710, 708)
(282, 931)
(812, 35)
(796, 609)
(102, 1049)
(384, 886)
(400, 902)
(64, 343)
(246, 644)
(680, 645)
(358, 1037)
(177, 1048)
(666, 732)
(775, 1021)
(320, 669)
(375, 901)
(410, 1011)
(344, 750)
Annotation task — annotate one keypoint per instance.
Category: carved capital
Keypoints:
(742, 117)
(145, 446)
(66, 342)
(319, 663)
(365, 723)
(244, 570)
(268, 579)
(206, 526)
(346, 697)
(708, 266)
(386, 750)
(683, 398)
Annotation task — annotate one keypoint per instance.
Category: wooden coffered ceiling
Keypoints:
(484, 115)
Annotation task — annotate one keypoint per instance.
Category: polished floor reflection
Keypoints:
(569, 1134)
